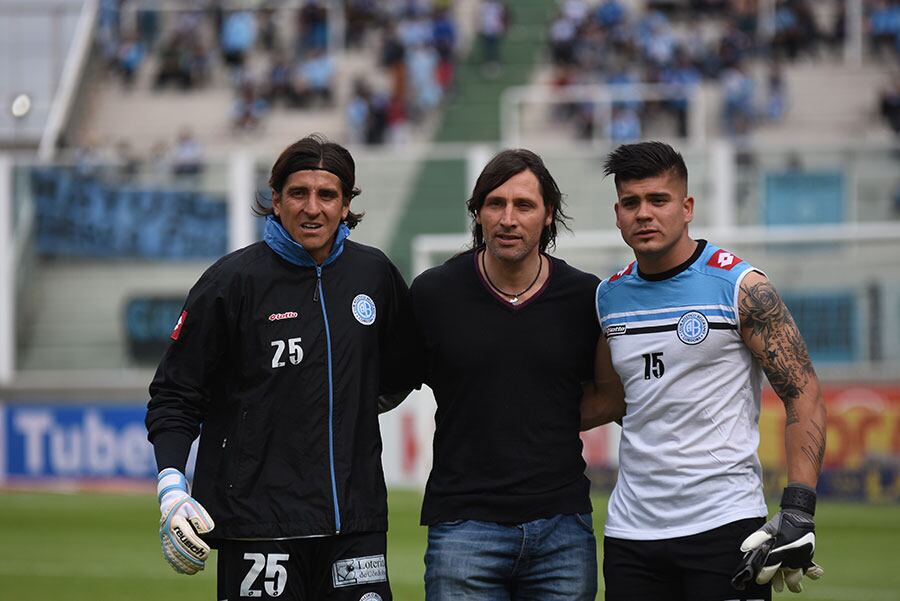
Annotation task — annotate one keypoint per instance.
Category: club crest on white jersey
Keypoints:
(364, 309)
(692, 328)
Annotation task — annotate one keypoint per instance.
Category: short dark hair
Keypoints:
(314, 152)
(505, 165)
(630, 162)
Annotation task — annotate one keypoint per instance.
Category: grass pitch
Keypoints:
(92, 547)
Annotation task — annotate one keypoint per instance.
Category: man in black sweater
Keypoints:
(506, 336)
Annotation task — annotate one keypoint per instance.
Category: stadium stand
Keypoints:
(142, 187)
(762, 74)
(288, 67)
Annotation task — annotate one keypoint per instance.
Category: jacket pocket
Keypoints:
(232, 457)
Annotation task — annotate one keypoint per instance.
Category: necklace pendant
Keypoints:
(514, 300)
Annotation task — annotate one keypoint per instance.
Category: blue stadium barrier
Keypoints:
(794, 197)
(829, 324)
(79, 216)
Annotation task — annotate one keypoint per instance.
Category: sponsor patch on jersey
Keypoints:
(359, 570)
(176, 331)
(624, 271)
(616, 329)
(364, 309)
(285, 315)
(723, 260)
(370, 597)
(692, 327)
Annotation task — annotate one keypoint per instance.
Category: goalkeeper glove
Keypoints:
(183, 518)
(782, 550)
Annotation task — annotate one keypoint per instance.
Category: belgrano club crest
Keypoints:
(364, 309)
(693, 328)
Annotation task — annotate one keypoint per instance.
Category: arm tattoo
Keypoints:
(784, 357)
(815, 450)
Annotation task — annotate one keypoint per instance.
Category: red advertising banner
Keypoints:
(862, 456)
(863, 425)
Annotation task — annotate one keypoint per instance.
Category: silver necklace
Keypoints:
(512, 298)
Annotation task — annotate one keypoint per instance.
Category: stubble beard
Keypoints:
(509, 255)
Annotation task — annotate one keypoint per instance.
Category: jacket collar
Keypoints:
(281, 242)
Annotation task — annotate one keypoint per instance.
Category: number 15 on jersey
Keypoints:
(653, 365)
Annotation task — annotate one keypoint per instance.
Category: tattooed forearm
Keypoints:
(815, 450)
(776, 343)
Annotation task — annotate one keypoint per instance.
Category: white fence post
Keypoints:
(7, 275)
(853, 32)
(723, 176)
(241, 190)
(476, 159)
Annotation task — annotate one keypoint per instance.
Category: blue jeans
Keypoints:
(552, 559)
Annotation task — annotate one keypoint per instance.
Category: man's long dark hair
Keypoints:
(505, 165)
(632, 162)
(314, 152)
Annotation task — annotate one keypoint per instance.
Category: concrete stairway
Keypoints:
(829, 102)
(142, 116)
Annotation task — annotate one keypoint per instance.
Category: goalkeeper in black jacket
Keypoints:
(279, 357)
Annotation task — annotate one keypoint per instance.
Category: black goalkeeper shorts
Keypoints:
(688, 568)
(346, 567)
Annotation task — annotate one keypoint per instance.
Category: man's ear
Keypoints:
(276, 203)
(688, 207)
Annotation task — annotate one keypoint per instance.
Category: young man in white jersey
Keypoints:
(691, 328)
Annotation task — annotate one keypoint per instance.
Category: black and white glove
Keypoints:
(782, 550)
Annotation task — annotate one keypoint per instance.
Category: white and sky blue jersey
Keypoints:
(687, 457)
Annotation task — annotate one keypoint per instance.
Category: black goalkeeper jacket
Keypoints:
(278, 364)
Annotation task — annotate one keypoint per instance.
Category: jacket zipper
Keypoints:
(320, 295)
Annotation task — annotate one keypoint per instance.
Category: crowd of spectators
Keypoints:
(415, 44)
(494, 18)
(605, 42)
(279, 55)
(884, 27)
(418, 54)
(181, 160)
